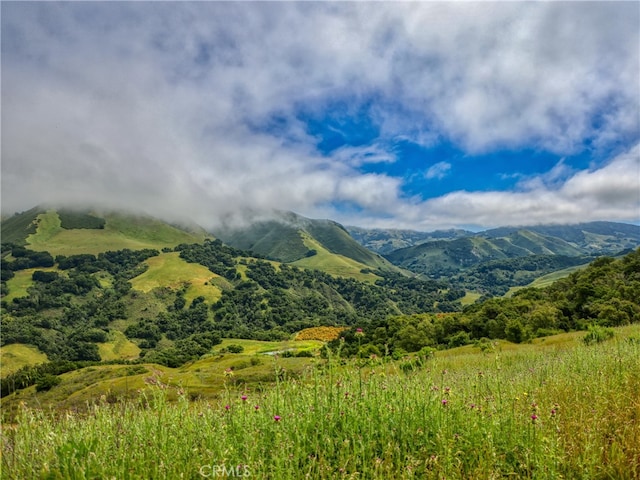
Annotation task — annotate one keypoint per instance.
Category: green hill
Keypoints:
(66, 232)
(286, 236)
(491, 262)
(385, 241)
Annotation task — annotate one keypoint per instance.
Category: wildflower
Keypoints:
(257, 407)
(447, 390)
(444, 402)
(346, 394)
(228, 372)
(534, 417)
(553, 412)
(472, 406)
(227, 407)
(276, 418)
(243, 398)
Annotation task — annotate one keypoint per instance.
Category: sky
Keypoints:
(417, 115)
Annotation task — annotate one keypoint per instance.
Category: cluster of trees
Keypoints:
(190, 329)
(272, 303)
(22, 260)
(215, 255)
(67, 312)
(605, 294)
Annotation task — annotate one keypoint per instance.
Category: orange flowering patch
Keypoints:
(324, 334)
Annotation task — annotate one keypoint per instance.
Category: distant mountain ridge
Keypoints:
(385, 241)
(591, 237)
(449, 258)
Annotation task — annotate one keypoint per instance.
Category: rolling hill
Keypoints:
(493, 261)
(86, 286)
(385, 241)
(288, 237)
(66, 232)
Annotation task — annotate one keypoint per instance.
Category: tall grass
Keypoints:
(543, 414)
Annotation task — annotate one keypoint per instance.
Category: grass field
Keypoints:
(169, 270)
(21, 281)
(15, 356)
(332, 263)
(546, 280)
(556, 409)
(470, 298)
(120, 232)
(118, 347)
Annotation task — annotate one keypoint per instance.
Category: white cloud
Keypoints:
(164, 107)
(438, 170)
(611, 192)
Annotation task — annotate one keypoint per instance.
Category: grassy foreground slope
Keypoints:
(545, 411)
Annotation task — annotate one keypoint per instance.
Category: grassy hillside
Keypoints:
(286, 238)
(334, 264)
(119, 347)
(120, 231)
(384, 241)
(555, 409)
(490, 264)
(169, 270)
(14, 357)
(17, 228)
(549, 279)
(272, 239)
(19, 284)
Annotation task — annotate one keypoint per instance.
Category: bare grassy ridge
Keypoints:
(120, 231)
(551, 410)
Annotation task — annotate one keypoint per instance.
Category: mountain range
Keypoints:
(94, 286)
(491, 261)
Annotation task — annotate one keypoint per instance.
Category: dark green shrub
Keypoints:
(47, 382)
(597, 334)
(234, 348)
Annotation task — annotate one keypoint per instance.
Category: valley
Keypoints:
(104, 311)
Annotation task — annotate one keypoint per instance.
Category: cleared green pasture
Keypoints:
(548, 279)
(169, 270)
(332, 263)
(120, 232)
(470, 298)
(15, 356)
(21, 281)
(118, 347)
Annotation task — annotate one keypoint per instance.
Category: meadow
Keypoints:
(120, 232)
(556, 408)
